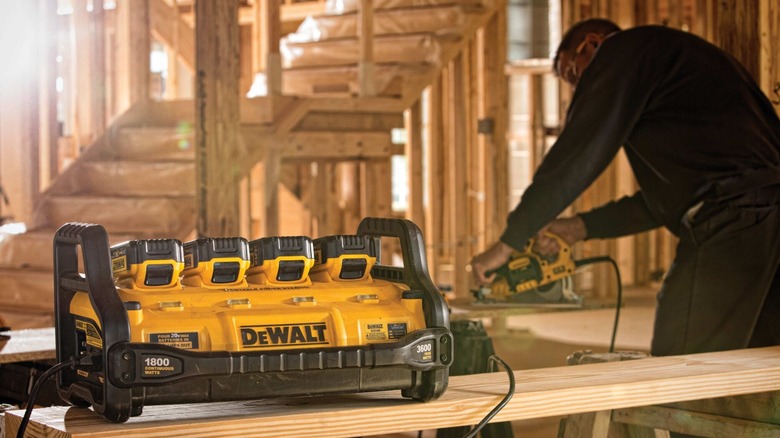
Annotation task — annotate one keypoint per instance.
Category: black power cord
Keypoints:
(72, 362)
(608, 259)
(492, 361)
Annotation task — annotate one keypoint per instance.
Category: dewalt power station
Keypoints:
(216, 319)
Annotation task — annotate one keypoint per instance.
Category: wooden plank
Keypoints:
(414, 163)
(378, 188)
(365, 33)
(375, 104)
(264, 110)
(495, 106)
(134, 38)
(769, 56)
(50, 128)
(436, 185)
(329, 145)
(272, 163)
(267, 33)
(738, 28)
(696, 423)
(82, 79)
(98, 77)
(360, 121)
(290, 13)
(217, 118)
(20, 117)
(458, 184)
(539, 393)
(336, 145)
(28, 345)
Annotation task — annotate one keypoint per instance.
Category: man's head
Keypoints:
(578, 46)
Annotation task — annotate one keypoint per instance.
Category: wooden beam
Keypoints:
(377, 189)
(365, 33)
(540, 393)
(495, 109)
(134, 38)
(28, 345)
(414, 163)
(217, 118)
(266, 33)
(318, 145)
(436, 184)
(20, 111)
(738, 28)
(98, 77)
(769, 54)
(82, 80)
(50, 132)
(458, 183)
(271, 165)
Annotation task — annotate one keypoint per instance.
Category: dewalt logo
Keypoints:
(263, 336)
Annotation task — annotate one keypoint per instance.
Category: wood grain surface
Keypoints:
(24, 345)
(539, 393)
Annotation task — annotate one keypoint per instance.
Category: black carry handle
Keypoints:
(414, 273)
(98, 282)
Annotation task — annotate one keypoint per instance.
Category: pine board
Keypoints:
(540, 393)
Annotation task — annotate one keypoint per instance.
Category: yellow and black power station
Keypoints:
(159, 321)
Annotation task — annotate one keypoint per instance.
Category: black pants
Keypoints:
(722, 291)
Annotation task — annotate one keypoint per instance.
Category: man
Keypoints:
(704, 145)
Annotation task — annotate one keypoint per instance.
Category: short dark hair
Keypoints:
(577, 33)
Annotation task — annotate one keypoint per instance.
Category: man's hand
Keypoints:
(571, 230)
(493, 258)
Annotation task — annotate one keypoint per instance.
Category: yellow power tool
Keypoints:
(531, 279)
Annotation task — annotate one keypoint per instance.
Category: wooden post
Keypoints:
(266, 33)
(272, 163)
(347, 178)
(769, 56)
(256, 201)
(458, 184)
(414, 162)
(495, 110)
(134, 40)
(738, 29)
(98, 78)
(172, 86)
(366, 40)
(433, 211)
(218, 156)
(50, 130)
(19, 110)
(82, 81)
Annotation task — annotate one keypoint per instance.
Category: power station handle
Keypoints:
(415, 270)
(98, 282)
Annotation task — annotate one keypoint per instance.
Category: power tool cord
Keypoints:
(72, 362)
(619, 304)
(492, 361)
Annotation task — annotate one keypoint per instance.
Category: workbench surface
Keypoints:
(539, 393)
(28, 345)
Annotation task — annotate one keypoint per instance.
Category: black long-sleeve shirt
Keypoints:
(691, 120)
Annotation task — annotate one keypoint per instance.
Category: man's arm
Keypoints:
(628, 215)
(609, 100)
